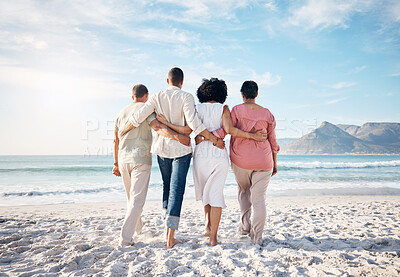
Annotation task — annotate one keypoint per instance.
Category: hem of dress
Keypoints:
(216, 206)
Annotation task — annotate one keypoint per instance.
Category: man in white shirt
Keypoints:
(178, 107)
(132, 159)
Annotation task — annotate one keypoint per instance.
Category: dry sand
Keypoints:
(304, 236)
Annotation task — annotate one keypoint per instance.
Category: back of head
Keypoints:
(212, 90)
(138, 91)
(175, 76)
(249, 89)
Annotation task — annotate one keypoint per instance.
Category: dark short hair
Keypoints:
(212, 90)
(139, 91)
(249, 89)
(175, 75)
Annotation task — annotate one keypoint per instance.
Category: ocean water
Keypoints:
(36, 180)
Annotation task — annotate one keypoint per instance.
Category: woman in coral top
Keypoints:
(253, 162)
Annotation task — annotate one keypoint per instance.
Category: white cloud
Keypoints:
(195, 74)
(34, 42)
(358, 69)
(395, 10)
(322, 14)
(204, 11)
(341, 85)
(233, 76)
(57, 85)
(334, 101)
(49, 14)
(266, 79)
(270, 5)
(77, 20)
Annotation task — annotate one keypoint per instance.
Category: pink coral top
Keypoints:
(251, 154)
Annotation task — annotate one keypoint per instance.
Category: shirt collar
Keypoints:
(173, 88)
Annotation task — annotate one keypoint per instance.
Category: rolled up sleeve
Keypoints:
(220, 133)
(151, 117)
(272, 136)
(191, 117)
(141, 115)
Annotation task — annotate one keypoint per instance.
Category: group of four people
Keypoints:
(173, 115)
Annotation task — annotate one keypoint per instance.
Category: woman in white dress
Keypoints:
(211, 164)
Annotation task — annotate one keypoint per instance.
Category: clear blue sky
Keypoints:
(69, 66)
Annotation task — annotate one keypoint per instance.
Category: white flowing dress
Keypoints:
(210, 164)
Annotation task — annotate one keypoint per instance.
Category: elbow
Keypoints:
(116, 141)
(229, 130)
(155, 125)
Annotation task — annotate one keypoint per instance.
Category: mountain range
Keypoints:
(370, 138)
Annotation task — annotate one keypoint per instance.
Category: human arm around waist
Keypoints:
(260, 135)
(195, 123)
(164, 131)
(128, 126)
(229, 128)
(184, 130)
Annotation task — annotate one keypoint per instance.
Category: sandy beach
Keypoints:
(304, 236)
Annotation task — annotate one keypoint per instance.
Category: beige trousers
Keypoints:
(136, 178)
(252, 187)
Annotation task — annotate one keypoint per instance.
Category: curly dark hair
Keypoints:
(212, 90)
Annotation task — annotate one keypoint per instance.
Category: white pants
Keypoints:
(136, 178)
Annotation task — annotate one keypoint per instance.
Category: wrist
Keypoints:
(116, 164)
(216, 141)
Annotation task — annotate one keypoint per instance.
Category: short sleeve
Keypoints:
(151, 117)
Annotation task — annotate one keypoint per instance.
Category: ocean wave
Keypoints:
(336, 165)
(59, 192)
(70, 168)
(282, 165)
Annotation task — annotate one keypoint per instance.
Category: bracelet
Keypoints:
(215, 143)
(116, 164)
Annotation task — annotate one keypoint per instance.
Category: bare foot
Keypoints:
(124, 243)
(139, 227)
(207, 233)
(213, 242)
(171, 244)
